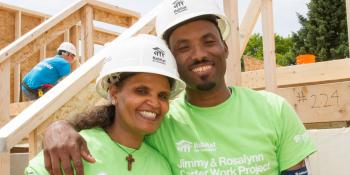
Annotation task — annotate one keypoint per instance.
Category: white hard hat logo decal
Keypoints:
(159, 55)
(179, 6)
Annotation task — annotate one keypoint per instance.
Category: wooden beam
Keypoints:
(41, 109)
(148, 28)
(4, 92)
(17, 67)
(248, 23)
(102, 36)
(233, 67)
(5, 166)
(86, 33)
(348, 19)
(111, 18)
(19, 44)
(269, 45)
(23, 10)
(321, 72)
(107, 7)
(46, 37)
(320, 103)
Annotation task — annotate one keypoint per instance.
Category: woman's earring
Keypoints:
(111, 99)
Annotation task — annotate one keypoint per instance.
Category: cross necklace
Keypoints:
(129, 157)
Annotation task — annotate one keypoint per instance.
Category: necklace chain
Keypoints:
(125, 149)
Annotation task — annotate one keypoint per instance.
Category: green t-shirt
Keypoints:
(110, 159)
(251, 133)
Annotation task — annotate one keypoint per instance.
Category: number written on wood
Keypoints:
(321, 100)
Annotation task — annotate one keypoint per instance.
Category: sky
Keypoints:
(285, 19)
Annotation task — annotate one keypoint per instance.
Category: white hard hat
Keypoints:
(68, 47)
(175, 12)
(142, 53)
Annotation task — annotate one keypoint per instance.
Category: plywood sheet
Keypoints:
(29, 23)
(7, 26)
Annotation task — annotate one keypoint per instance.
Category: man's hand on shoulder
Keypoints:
(63, 145)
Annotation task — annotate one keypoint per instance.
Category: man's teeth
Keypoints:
(201, 69)
(148, 115)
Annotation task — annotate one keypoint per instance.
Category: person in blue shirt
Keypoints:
(48, 72)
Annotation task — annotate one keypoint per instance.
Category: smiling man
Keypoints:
(212, 128)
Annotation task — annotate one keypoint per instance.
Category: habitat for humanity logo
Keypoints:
(187, 146)
(158, 55)
(179, 6)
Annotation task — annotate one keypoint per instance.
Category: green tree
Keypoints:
(283, 49)
(323, 32)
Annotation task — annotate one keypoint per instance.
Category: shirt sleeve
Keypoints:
(295, 143)
(36, 166)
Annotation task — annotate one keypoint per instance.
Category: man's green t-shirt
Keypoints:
(110, 158)
(251, 133)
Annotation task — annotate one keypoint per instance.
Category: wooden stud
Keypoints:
(5, 166)
(233, 67)
(33, 144)
(66, 36)
(43, 47)
(269, 46)
(248, 23)
(4, 91)
(74, 37)
(17, 67)
(86, 33)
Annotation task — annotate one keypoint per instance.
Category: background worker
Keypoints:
(48, 72)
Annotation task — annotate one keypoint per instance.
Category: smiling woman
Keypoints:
(138, 87)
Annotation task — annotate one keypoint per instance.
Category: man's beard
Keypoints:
(206, 86)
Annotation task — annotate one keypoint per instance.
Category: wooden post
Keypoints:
(269, 46)
(247, 26)
(66, 36)
(5, 91)
(43, 48)
(233, 67)
(17, 67)
(5, 166)
(33, 144)
(86, 32)
(74, 37)
(348, 20)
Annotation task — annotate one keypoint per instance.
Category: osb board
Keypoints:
(84, 100)
(320, 103)
(333, 153)
(51, 48)
(28, 23)
(7, 26)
